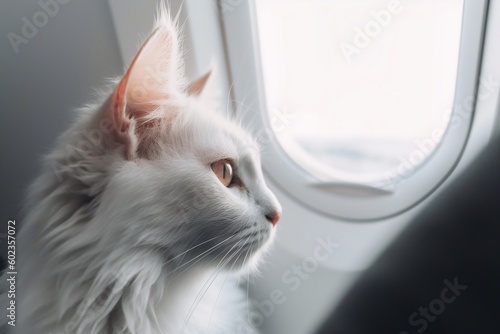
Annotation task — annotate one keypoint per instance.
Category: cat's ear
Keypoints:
(153, 79)
(206, 88)
(197, 87)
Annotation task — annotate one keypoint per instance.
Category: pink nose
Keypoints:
(273, 217)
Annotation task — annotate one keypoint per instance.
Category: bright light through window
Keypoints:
(356, 90)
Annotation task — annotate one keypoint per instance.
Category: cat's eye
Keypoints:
(224, 171)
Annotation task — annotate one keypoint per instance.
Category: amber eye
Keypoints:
(224, 171)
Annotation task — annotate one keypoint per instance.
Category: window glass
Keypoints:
(356, 90)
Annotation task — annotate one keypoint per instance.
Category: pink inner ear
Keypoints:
(197, 86)
(132, 87)
(153, 76)
(151, 80)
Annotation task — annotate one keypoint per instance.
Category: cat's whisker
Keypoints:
(156, 322)
(200, 257)
(224, 282)
(208, 250)
(222, 263)
(249, 250)
(247, 108)
(190, 249)
(211, 278)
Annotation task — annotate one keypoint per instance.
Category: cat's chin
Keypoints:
(251, 265)
(248, 261)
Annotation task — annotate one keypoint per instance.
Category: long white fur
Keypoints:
(154, 244)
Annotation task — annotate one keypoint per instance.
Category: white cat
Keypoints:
(147, 212)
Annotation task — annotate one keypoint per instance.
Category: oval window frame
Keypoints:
(347, 201)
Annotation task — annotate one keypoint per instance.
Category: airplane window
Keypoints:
(357, 89)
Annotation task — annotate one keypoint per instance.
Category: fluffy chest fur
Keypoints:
(206, 303)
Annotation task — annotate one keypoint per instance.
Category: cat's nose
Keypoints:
(273, 217)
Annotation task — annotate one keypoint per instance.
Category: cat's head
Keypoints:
(187, 182)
